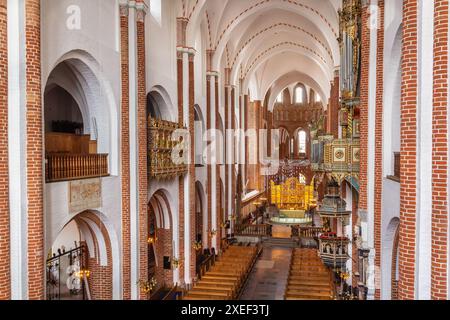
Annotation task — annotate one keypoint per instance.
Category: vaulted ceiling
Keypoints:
(269, 44)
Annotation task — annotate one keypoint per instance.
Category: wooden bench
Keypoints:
(226, 277)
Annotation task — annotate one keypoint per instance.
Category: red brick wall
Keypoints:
(439, 259)
(379, 144)
(142, 149)
(163, 248)
(394, 281)
(407, 240)
(364, 96)
(218, 196)
(125, 150)
(234, 151)
(34, 151)
(5, 277)
(208, 169)
(181, 179)
(100, 280)
(227, 166)
(333, 109)
(192, 163)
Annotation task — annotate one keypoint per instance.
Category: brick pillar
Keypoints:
(439, 259)
(192, 214)
(5, 276)
(142, 145)
(208, 164)
(209, 78)
(181, 178)
(181, 43)
(227, 190)
(218, 193)
(125, 153)
(394, 282)
(364, 96)
(407, 239)
(379, 143)
(333, 108)
(246, 110)
(35, 172)
(233, 153)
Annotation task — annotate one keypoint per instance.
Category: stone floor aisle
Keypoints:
(269, 277)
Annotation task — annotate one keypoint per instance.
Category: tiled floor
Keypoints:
(269, 277)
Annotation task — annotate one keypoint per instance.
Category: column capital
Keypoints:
(336, 71)
(141, 11)
(212, 74)
(124, 8)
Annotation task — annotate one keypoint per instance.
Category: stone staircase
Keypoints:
(280, 242)
(309, 279)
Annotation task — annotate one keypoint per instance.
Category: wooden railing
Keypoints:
(66, 167)
(310, 232)
(206, 265)
(253, 230)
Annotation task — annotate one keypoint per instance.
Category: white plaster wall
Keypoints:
(390, 210)
(66, 238)
(160, 44)
(98, 36)
(96, 44)
(57, 213)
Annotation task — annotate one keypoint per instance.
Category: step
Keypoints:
(324, 284)
(211, 289)
(296, 297)
(326, 295)
(303, 290)
(309, 278)
(201, 294)
(216, 284)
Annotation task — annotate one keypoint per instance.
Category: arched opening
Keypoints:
(201, 224)
(159, 105)
(63, 114)
(79, 129)
(80, 261)
(199, 129)
(390, 266)
(160, 244)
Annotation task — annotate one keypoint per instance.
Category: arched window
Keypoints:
(301, 142)
(299, 95)
(280, 97)
(302, 179)
(318, 98)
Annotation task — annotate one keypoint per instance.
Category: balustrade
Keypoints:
(65, 167)
(310, 232)
(254, 230)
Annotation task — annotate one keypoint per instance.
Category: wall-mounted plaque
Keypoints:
(84, 195)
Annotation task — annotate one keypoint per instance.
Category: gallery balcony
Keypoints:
(73, 157)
